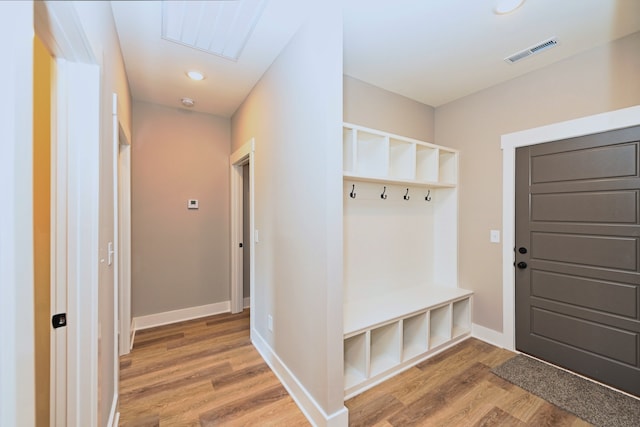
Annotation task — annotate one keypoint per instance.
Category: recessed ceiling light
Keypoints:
(507, 6)
(195, 75)
(188, 102)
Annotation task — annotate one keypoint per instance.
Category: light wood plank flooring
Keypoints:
(205, 372)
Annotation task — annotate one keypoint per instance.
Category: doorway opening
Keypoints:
(242, 228)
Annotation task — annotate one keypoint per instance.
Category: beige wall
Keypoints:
(599, 80)
(371, 106)
(180, 257)
(295, 115)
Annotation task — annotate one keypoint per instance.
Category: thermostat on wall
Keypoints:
(192, 204)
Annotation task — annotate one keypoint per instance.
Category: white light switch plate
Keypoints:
(494, 236)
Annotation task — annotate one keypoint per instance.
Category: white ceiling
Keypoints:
(433, 51)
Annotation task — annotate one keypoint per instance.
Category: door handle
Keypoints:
(522, 265)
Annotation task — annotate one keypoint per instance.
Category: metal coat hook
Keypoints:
(406, 195)
(384, 196)
(353, 192)
(428, 196)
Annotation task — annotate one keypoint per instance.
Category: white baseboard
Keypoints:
(159, 319)
(487, 335)
(246, 302)
(114, 415)
(307, 404)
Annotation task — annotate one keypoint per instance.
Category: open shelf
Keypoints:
(385, 347)
(372, 154)
(355, 359)
(348, 150)
(439, 326)
(448, 167)
(402, 160)
(414, 336)
(461, 318)
(427, 164)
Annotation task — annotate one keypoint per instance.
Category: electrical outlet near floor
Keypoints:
(270, 323)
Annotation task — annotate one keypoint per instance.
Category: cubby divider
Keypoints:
(385, 347)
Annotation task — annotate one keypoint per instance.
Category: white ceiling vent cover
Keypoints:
(540, 47)
(219, 27)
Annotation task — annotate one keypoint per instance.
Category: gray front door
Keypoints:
(577, 255)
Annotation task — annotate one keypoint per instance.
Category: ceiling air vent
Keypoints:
(540, 47)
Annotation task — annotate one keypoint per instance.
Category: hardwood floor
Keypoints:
(205, 372)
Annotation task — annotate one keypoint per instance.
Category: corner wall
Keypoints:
(180, 256)
(295, 115)
(599, 80)
(376, 108)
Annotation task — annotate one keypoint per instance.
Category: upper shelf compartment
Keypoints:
(372, 155)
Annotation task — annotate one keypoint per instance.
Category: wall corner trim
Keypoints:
(307, 404)
(174, 316)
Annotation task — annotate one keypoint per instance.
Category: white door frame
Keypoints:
(122, 237)
(75, 200)
(17, 368)
(238, 159)
(604, 122)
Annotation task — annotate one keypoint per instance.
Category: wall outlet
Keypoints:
(494, 236)
(192, 204)
(270, 323)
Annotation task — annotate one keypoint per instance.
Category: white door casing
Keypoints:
(75, 202)
(572, 128)
(244, 155)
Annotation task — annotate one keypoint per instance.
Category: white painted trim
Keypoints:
(60, 29)
(114, 415)
(83, 107)
(122, 230)
(174, 316)
(242, 156)
(603, 122)
(487, 335)
(307, 404)
(59, 155)
(17, 372)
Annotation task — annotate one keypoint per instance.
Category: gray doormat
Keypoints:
(592, 402)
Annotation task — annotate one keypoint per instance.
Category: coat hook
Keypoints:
(353, 192)
(428, 196)
(406, 195)
(384, 196)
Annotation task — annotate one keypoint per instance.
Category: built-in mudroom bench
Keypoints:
(402, 303)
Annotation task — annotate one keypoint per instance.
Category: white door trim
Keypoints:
(238, 159)
(604, 122)
(122, 230)
(17, 372)
(83, 190)
(76, 195)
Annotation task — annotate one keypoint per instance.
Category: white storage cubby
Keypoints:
(440, 326)
(385, 347)
(461, 318)
(402, 302)
(373, 155)
(414, 336)
(356, 349)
